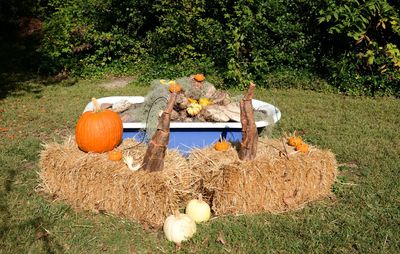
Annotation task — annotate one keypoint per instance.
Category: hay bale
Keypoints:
(91, 181)
(271, 182)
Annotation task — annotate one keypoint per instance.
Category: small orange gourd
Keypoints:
(175, 87)
(295, 141)
(303, 147)
(222, 145)
(98, 131)
(199, 77)
(115, 155)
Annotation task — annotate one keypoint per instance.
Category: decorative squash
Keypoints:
(198, 210)
(222, 145)
(115, 155)
(193, 109)
(174, 87)
(295, 141)
(191, 100)
(179, 227)
(199, 77)
(303, 147)
(98, 131)
(130, 162)
(204, 102)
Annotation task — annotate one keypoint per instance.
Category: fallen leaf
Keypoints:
(99, 208)
(3, 129)
(10, 136)
(351, 164)
(221, 238)
(301, 132)
(105, 248)
(41, 234)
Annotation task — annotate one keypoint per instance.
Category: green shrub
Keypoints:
(80, 34)
(353, 44)
(244, 39)
(364, 35)
(186, 30)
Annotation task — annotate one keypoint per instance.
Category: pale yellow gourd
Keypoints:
(179, 227)
(198, 210)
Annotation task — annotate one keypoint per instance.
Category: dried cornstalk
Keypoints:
(248, 146)
(154, 157)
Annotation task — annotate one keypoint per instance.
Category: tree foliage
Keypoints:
(370, 34)
(353, 44)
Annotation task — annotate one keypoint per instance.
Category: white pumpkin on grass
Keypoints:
(179, 227)
(198, 210)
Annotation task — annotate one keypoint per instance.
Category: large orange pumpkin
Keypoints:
(98, 131)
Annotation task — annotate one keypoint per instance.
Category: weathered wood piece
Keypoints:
(154, 157)
(222, 113)
(121, 106)
(248, 146)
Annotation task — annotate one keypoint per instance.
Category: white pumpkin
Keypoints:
(198, 210)
(179, 227)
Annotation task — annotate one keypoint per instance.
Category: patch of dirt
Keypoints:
(117, 82)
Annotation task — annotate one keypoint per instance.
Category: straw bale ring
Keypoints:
(271, 182)
(92, 182)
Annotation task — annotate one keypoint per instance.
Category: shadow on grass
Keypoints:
(4, 211)
(36, 223)
(50, 245)
(27, 83)
(20, 68)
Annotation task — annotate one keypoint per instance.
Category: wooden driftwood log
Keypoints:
(248, 146)
(154, 157)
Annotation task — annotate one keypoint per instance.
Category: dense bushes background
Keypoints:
(364, 56)
(352, 44)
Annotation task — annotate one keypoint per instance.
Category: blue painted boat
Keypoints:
(185, 136)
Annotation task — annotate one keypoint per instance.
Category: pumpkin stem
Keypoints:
(176, 213)
(200, 197)
(96, 105)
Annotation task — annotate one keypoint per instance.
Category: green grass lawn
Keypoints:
(363, 217)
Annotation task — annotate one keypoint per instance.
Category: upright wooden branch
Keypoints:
(154, 157)
(248, 146)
